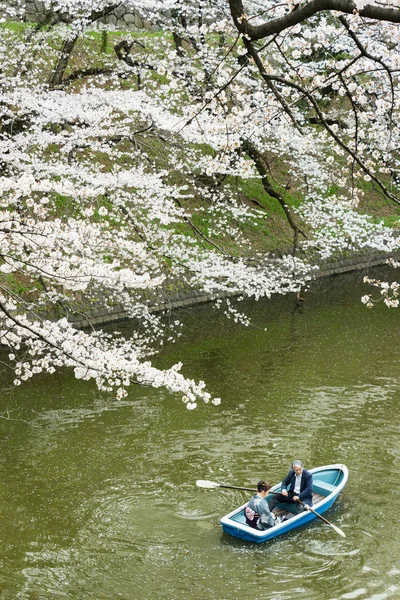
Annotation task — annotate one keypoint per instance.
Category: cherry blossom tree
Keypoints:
(120, 171)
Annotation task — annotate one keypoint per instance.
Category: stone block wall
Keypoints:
(99, 315)
(35, 11)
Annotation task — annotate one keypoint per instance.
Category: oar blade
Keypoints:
(339, 531)
(204, 483)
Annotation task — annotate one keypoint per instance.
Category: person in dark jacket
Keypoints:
(296, 486)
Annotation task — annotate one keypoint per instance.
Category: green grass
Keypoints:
(17, 26)
(19, 284)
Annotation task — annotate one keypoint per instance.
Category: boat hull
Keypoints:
(328, 482)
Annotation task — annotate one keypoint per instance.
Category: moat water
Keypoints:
(98, 498)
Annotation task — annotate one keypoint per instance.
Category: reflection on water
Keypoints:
(98, 497)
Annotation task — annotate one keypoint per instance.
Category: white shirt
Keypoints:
(297, 485)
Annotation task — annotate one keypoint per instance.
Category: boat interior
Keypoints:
(321, 489)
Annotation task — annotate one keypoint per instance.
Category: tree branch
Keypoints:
(376, 59)
(68, 45)
(270, 78)
(337, 139)
(258, 160)
(302, 13)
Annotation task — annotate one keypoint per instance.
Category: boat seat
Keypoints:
(322, 487)
(239, 518)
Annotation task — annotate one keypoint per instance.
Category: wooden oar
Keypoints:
(334, 527)
(211, 485)
(204, 483)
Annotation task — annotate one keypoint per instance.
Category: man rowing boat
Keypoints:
(296, 486)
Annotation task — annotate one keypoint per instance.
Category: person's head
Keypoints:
(297, 467)
(263, 487)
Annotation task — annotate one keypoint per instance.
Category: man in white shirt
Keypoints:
(296, 488)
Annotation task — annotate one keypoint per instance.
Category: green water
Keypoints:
(98, 497)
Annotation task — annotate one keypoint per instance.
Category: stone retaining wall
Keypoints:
(98, 315)
(35, 11)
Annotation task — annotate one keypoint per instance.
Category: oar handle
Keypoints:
(315, 512)
(237, 487)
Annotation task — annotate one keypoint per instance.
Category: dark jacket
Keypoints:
(305, 485)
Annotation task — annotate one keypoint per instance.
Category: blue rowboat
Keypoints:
(328, 482)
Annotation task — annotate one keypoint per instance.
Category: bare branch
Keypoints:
(257, 32)
(258, 160)
(68, 45)
(368, 55)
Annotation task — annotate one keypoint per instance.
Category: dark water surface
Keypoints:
(98, 498)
